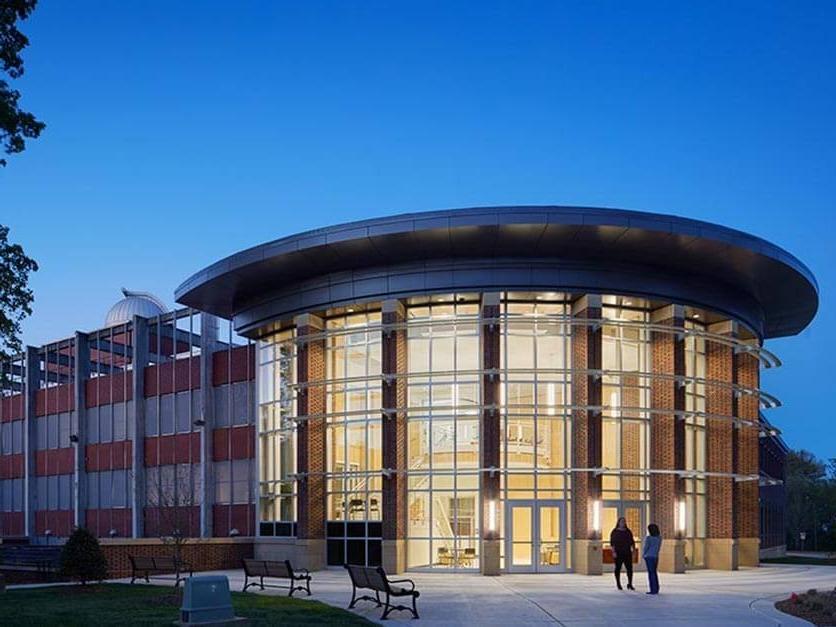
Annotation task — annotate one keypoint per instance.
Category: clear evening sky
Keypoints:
(180, 132)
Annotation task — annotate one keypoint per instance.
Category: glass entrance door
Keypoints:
(535, 533)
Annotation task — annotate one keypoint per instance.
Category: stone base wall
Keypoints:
(200, 553)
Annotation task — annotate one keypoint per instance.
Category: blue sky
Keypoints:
(180, 132)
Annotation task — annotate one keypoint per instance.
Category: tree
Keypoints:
(15, 296)
(16, 125)
(811, 502)
(82, 558)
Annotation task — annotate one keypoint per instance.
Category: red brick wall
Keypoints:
(394, 436)
(747, 515)
(586, 424)
(54, 400)
(233, 443)
(56, 461)
(181, 448)
(243, 365)
(101, 521)
(108, 455)
(114, 388)
(201, 555)
(11, 408)
(11, 466)
(718, 435)
(169, 377)
(310, 436)
(11, 524)
(60, 522)
(667, 436)
(225, 518)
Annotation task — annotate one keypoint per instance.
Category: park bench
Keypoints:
(374, 578)
(43, 559)
(276, 570)
(144, 567)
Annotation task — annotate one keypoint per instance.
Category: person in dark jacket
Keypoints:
(622, 543)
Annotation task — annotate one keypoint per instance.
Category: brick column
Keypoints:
(667, 434)
(586, 437)
(745, 452)
(81, 372)
(139, 360)
(491, 429)
(394, 435)
(31, 383)
(310, 444)
(720, 545)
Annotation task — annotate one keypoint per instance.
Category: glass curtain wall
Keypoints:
(353, 438)
(695, 488)
(625, 419)
(443, 433)
(534, 447)
(277, 434)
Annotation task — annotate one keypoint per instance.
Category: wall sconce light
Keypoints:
(492, 516)
(680, 518)
(74, 438)
(200, 422)
(234, 533)
(113, 533)
(596, 518)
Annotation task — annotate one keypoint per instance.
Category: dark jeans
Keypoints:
(652, 575)
(627, 560)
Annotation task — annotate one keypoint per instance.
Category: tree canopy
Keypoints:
(16, 125)
(15, 295)
(811, 502)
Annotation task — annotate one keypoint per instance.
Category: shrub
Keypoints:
(82, 558)
(812, 592)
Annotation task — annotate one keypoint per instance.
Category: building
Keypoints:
(480, 390)
(773, 496)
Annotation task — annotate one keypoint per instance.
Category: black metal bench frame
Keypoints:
(276, 570)
(171, 566)
(374, 578)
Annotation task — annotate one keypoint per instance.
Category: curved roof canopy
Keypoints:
(516, 248)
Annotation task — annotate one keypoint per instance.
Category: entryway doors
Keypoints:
(535, 536)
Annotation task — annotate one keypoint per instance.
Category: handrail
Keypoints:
(767, 400)
(767, 358)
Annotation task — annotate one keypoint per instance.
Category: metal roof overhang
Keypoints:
(521, 248)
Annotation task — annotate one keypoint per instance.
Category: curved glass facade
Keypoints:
(437, 511)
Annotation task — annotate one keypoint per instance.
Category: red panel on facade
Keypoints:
(55, 461)
(186, 376)
(233, 443)
(108, 456)
(11, 466)
(11, 408)
(161, 521)
(101, 521)
(60, 522)
(54, 400)
(225, 518)
(172, 449)
(11, 524)
(114, 388)
(242, 361)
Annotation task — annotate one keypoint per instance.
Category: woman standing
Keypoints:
(622, 543)
(650, 553)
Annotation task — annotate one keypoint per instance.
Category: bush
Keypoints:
(82, 558)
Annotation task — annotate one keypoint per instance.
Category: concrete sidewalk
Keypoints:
(743, 598)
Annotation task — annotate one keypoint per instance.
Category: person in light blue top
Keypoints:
(650, 552)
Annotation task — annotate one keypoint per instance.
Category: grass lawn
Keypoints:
(809, 561)
(123, 604)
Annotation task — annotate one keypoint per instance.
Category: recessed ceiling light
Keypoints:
(350, 310)
(628, 302)
(696, 315)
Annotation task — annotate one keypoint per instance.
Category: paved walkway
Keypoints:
(743, 598)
